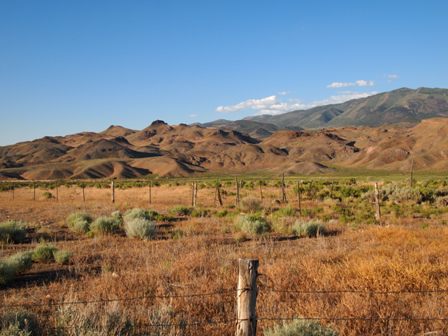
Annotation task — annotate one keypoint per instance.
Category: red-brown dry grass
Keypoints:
(368, 259)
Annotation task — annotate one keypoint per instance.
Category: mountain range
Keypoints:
(387, 131)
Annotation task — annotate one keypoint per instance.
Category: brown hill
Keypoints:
(182, 150)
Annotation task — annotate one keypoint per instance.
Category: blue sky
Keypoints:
(69, 66)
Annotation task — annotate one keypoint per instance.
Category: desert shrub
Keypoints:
(255, 224)
(19, 323)
(309, 229)
(200, 212)
(140, 228)
(62, 257)
(79, 222)
(181, 210)
(12, 231)
(105, 225)
(92, 319)
(251, 204)
(442, 201)
(301, 328)
(140, 213)
(288, 211)
(44, 253)
(222, 213)
(48, 195)
(14, 265)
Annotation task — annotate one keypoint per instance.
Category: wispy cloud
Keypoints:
(358, 83)
(276, 105)
(392, 77)
(193, 115)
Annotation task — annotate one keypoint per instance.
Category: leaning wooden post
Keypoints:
(283, 192)
(247, 297)
(237, 200)
(150, 192)
(34, 191)
(411, 177)
(377, 204)
(218, 193)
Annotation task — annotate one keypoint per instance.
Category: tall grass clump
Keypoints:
(251, 204)
(309, 229)
(12, 231)
(140, 228)
(301, 328)
(13, 266)
(254, 224)
(181, 210)
(62, 257)
(19, 323)
(79, 222)
(105, 225)
(44, 253)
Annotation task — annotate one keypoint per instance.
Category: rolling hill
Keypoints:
(183, 150)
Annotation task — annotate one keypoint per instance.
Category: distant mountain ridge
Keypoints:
(398, 106)
(405, 131)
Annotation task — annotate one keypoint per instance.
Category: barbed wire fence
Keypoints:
(240, 316)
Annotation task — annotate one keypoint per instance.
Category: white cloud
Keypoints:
(392, 77)
(266, 105)
(359, 82)
(273, 105)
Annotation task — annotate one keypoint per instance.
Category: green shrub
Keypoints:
(140, 228)
(309, 229)
(200, 212)
(79, 222)
(12, 231)
(288, 211)
(251, 204)
(140, 213)
(62, 257)
(222, 213)
(14, 265)
(44, 253)
(105, 225)
(255, 224)
(301, 328)
(181, 210)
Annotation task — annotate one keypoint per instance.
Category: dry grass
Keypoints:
(203, 260)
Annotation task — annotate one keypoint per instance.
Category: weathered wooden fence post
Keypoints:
(112, 188)
(299, 196)
(57, 193)
(218, 196)
(194, 193)
(247, 297)
(13, 190)
(150, 192)
(411, 177)
(237, 200)
(83, 193)
(282, 188)
(377, 204)
(34, 191)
